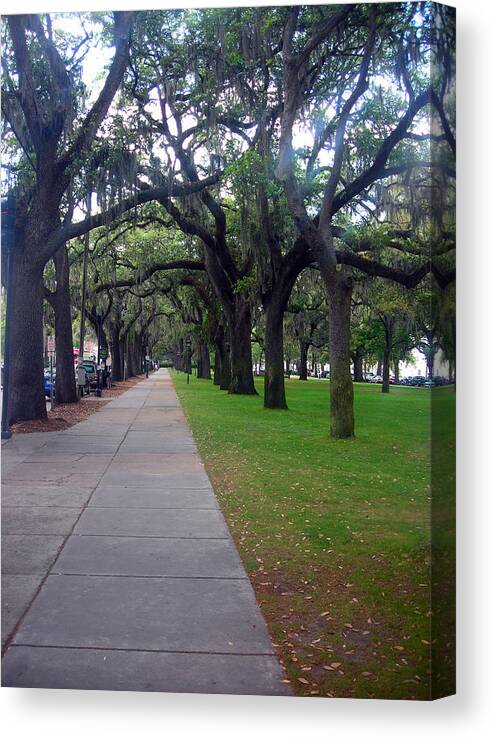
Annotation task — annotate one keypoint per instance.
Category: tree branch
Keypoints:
(96, 115)
(141, 277)
(373, 173)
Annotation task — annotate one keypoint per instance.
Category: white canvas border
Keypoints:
(57, 713)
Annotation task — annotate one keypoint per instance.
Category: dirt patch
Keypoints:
(121, 387)
(60, 418)
(322, 656)
(64, 416)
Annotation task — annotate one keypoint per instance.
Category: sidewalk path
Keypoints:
(119, 571)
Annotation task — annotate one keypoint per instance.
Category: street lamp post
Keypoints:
(188, 344)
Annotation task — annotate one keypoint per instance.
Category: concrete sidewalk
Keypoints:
(118, 569)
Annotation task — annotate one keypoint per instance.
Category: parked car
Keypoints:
(440, 381)
(90, 368)
(418, 381)
(368, 376)
(376, 379)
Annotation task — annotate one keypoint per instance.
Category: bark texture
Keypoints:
(274, 393)
(304, 346)
(203, 359)
(66, 390)
(341, 385)
(240, 330)
(27, 399)
(358, 365)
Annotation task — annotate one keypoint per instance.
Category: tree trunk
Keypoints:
(341, 384)
(240, 329)
(379, 368)
(116, 355)
(389, 331)
(386, 371)
(66, 390)
(430, 360)
(179, 361)
(217, 368)
(26, 391)
(304, 346)
(132, 357)
(104, 348)
(225, 368)
(203, 359)
(221, 359)
(274, 390)
(358, 366)
(396, 371)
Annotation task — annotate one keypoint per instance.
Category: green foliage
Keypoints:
(244, 284)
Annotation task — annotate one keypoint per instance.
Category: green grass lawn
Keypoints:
(335, 535)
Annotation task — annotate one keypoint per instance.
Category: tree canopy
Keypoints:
(230, 167)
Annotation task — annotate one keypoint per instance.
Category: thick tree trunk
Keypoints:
(430, 360)
(304, 346)
(221, 358)
(26, 391)
(123, 358)
(358, 366)
(240, 329)
(396, 371)
(179, 362)
(430, 355)
(225, 368)
(217, 368)
(128, 368)
(203, 359)
(132, 357)
(116, 355)
(341, 384)
(274, 391)
(66, 390)
(386, 371)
